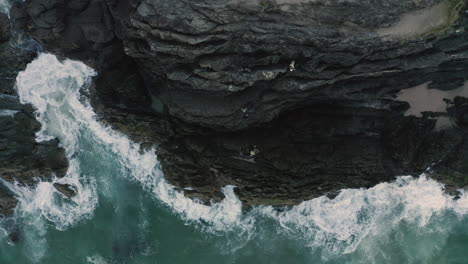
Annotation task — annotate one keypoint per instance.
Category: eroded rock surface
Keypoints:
(22, 159)
(287, 100)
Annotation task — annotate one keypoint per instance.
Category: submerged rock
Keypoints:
(66, 189)
(7, 201)
(285, 99)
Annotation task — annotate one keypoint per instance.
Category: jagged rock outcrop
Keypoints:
(233, 64)
(286, 99)
(22, 159)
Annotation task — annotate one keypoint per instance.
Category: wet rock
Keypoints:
(287, 100)
(459, 110)
(66, 189)
(15, 236)
(22, 159)
(229, 69)
(7, 202)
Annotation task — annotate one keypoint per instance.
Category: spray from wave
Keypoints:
(339, 226)
(4, 6)
(55, 89)
(54, 92)
(336, 227)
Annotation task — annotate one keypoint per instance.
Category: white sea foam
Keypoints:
(338, 226)
(44, 200)
(4, 6)
(96, 259)
(53, 87)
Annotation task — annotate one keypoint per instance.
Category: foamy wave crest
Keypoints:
(5, 6)
(338, 226)
(335, 226)
(96, 259)
(53, 87)
(44, 200)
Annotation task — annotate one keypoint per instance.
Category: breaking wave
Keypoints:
(55, 89)
(335, 226)
(339, 225)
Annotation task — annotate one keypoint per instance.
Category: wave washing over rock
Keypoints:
(334, 227)
(233, 132)
(274, 97)
(4, 6)
(54, 89)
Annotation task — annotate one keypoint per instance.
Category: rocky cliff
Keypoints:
(285, 99)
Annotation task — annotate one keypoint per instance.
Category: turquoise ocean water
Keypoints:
(125, 212)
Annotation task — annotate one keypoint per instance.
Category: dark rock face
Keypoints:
(286, 99)
(22, 159)
(66, 189)
(230, 66)
(84, 30)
